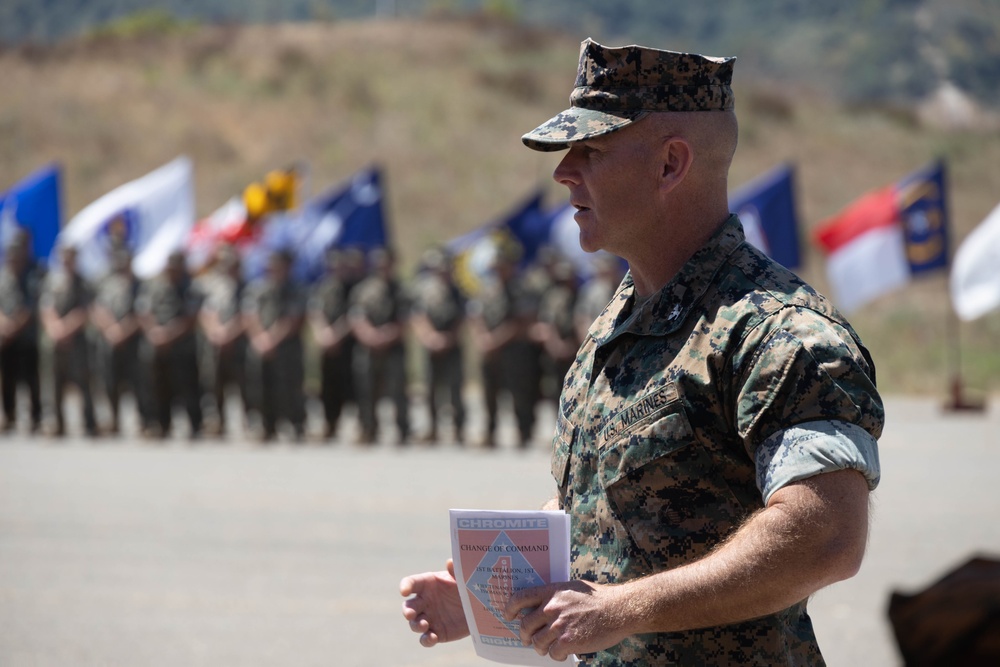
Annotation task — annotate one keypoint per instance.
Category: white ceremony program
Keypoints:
(497, 553)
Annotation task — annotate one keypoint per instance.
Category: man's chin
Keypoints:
(588, 243)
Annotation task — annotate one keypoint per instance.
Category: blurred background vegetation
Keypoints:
(863, 49)
(855, 93)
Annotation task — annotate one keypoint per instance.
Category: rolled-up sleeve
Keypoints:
(813, 448)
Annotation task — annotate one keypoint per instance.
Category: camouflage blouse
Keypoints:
(678, 419)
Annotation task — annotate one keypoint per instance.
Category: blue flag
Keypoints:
(33, 204)
(527, 225)
(766, 207)
(531, 227)
(923, 209)
(349, 215)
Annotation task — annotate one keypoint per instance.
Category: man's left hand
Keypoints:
(572, 617)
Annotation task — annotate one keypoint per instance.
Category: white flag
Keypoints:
(155, 211)
(975, 271)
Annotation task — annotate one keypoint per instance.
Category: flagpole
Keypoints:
(958, 402)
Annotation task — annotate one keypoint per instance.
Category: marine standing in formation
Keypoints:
(65, 311)
(20, 286)
(274, 310)
(117, 337)
(437, 316)
(378, 319)
(596, 293)
(499, 317)
(167, 308)
(224, 334)
(331, 329)
(555, 328)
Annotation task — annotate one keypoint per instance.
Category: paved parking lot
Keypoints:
(130, 553)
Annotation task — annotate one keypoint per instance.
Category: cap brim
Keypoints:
(576, 124)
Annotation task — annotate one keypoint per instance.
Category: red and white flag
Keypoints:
(879, 242)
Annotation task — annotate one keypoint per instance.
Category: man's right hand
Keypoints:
(435, 610)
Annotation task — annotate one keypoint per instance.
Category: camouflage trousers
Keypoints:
(172, 374)
(336, 384)
(276, 388)
(223, 368)
(378, 374)
(514, 370)
(19, 365)
(119, 370)
(445, 381)
(71, 365)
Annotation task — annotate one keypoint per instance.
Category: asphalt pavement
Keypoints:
(131, 552)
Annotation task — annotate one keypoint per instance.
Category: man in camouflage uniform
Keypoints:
(224, 338)
(167, 308)
(536, 279)
(117, 335)
(64, 309)
(716, 437)
(20, 284)
(274, 309)
(437, 315)
(378, 317)
(500, 316)
(331, 329)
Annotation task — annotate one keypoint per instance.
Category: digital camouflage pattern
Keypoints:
(329, 299)
(165, 301)
(660, 418)
(276, 381)
(440, 300)
(223, 295)
(616, 86)
(383, 302)
(21, 292)
(379, 300)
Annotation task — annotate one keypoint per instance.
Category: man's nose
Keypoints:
(566, 172)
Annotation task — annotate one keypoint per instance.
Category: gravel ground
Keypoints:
(124, 552)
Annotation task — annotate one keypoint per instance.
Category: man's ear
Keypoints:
(676, 159)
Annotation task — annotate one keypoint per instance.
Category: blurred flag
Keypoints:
(766, 206)
(228, 224)
(975, 271)
(887, 236)
(154, 215)
(33, 204)
(240, 219)
(349, 215)
(531, 228)
(524, 226)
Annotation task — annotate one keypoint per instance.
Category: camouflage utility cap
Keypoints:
(617, 86)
